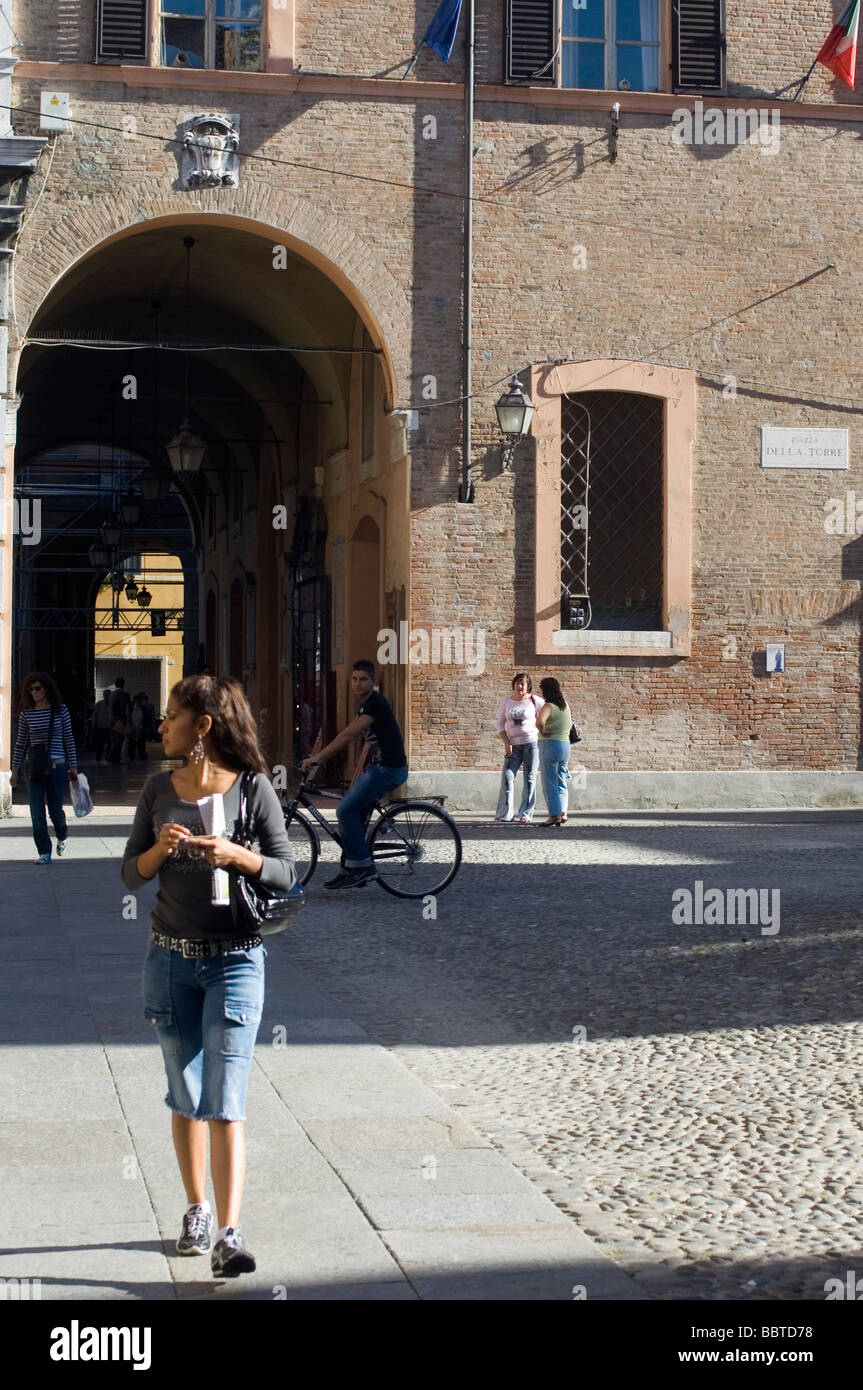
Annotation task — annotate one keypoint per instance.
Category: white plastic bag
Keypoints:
(82, 801)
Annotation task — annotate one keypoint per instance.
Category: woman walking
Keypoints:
(203, 979)
(45, 727)
(554, 721)
(516, 724)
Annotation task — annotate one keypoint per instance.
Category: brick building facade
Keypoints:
(692, 290)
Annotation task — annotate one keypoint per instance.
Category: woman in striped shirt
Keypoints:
(40, 700)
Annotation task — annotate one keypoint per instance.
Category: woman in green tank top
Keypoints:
(554, 722)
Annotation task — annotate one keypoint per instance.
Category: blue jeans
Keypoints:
(375, 782)
(554, 756)
(53, 790)
(524, 756)
(206, 1014)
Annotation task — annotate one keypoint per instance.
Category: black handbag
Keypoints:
(574, 733)
(261, 911)
(40, 756)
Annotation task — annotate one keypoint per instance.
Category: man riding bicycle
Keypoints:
(388, 768)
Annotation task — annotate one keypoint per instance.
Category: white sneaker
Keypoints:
(61, 846)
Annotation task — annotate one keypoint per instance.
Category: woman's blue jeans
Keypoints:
(206, 1012)
(53, 790)
(553, 758)
(375, 782)
(524, 756)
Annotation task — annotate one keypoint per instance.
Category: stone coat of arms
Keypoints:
(210, 145)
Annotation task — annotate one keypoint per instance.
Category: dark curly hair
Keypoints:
(552, 692)
(233, 733)
(522, 676)
(49, 685)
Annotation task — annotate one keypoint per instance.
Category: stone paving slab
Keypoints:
(338, 1130)
(517, 1263)
(384, 1132)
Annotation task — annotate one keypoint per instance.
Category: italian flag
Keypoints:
(839, 53)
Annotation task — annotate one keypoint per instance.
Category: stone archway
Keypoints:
(59, 283)
(54, 249)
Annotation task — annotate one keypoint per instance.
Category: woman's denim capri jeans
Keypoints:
(206, 1012)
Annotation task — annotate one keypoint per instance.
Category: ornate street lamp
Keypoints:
(111, 532)
(186, 450)
(154, 487)
(144, 597)
(100, 556)
(130, 510)
(131, 590)
(514, 411)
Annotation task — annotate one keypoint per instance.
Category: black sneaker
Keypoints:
(197, 1228)
(230, 1256)
(352, 878)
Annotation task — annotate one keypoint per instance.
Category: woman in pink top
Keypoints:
(516, 724)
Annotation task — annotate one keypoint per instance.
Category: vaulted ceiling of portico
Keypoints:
(237, 296)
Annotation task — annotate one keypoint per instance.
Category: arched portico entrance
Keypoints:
(264, 356)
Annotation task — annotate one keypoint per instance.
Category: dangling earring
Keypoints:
(197, 752)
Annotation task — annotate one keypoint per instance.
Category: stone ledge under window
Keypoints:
(608, 642)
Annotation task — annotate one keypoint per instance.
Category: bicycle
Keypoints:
(415, 845)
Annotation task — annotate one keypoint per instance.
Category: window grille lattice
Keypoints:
(620, 551)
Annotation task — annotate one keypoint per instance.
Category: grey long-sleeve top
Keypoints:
(183, 907)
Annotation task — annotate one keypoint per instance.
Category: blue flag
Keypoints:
(440, 35)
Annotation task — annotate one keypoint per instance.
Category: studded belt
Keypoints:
(194, 950)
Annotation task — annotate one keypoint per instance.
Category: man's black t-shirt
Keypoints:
(384, 738)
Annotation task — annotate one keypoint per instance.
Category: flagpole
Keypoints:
(805, 80)
(465, 492)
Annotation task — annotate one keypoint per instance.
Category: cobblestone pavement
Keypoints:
(689, 1093)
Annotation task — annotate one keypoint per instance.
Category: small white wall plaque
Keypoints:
(803, 448)
(775, 658)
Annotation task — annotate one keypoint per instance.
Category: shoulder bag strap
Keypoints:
(250, 776)
(239, 835)
(244, 819)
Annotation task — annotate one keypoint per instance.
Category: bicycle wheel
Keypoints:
(416, 849)
(304, 843)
